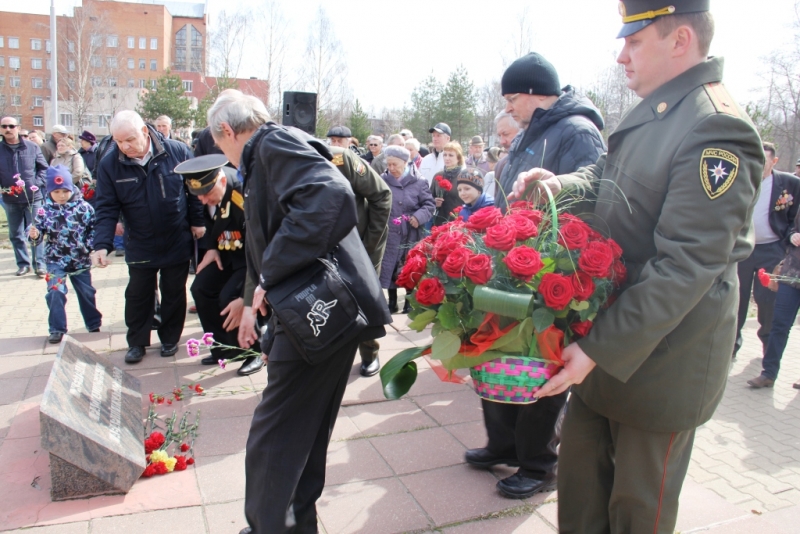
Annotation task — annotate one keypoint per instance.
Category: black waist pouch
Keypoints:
(317, 311)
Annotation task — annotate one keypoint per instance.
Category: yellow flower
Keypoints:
(170, 463)
(158, 456)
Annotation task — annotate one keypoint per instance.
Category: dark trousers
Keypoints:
(528, 432)
(139, 302)
(288, 441)
(787, 303)
(765, 256)
(212, 291)
(617, 478)
(56, 298)
(20, 217)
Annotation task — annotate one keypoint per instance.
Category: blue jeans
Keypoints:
(57, 298)
(787, 304)
(20, 217)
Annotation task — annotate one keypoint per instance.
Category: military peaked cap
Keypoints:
(201, 173)
(639, 14)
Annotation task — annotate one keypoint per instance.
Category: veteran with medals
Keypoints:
(218, 286)
(688, 161)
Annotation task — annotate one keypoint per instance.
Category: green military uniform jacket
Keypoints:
(688, 161)
(373, 201)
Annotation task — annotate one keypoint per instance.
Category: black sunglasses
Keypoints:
(8, 126)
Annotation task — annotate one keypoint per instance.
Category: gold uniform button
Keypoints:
(662, 107)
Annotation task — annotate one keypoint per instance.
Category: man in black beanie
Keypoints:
(528, 435)
(569, 123)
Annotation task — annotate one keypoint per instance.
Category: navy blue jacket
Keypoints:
(25, 159)
(157, 208)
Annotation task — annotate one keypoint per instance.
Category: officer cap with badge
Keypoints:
(201, 173)
(639, 14)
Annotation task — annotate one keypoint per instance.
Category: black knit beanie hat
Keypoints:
(531, 74)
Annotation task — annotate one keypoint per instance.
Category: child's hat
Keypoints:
(472, 176)
(58, 177)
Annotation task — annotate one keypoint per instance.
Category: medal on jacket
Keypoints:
(226, 211)
(229, 240)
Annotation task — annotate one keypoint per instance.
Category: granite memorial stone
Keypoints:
(91, 424)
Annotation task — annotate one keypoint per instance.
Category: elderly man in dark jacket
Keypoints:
(137, 178)
(298, 208)
(22, 174)
(529, 435)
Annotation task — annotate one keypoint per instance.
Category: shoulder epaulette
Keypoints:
(338, 160)
(721, 98)
(238, 199)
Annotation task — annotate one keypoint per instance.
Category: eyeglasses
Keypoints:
(8, 126)
(374, 144)
(24, 136)
(511, 98)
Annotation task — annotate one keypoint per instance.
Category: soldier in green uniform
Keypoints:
(654, 367)
(219, 283)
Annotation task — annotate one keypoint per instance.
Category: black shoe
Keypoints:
(485, 458)
(55, 337)
(134, 354)
(246, 530)
(393, 306)
(371, 368)
(95, 330)
(119, 252)
(406, 308)
(519, 487)
(41, 273)
(22, 271)
(210, 360)
(250, 365)
(168, 349)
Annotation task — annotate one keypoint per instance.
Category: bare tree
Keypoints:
(15, 93)
(520, 40)
(271, 24)
(326, 69)
(490, 102)
(226, 43)
(611, 95)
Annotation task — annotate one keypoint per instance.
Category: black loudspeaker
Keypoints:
(300, 111)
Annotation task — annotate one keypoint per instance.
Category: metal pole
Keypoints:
(53, 63)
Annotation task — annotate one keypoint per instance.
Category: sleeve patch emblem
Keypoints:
(361, 169)
(718, 170)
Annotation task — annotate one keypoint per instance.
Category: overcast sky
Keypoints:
(391, 46)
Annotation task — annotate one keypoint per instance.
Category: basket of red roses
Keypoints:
(504, 295)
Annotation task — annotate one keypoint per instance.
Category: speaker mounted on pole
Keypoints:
(300, 111)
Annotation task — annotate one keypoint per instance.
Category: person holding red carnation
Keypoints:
(470, 191)
(444, 184)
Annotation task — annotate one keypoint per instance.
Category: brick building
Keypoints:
(108, 52)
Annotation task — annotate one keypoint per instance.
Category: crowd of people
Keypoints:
(261, 208)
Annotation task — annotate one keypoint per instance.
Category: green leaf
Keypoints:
(518, 339)
(400, 373)
(542, 319)
(579, 306)
(448, 316)
(445, 346)
(459, 361)
(422, 320)
(566, 265)
(474, 319)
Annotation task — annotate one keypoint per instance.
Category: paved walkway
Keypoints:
(392, 466)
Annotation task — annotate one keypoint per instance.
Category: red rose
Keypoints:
(524, 226)
(447, 243)
(501, 236)
(564, 218)
(557, 291)
(412, 271)
(582, 328)
(446, 228)
(479, 268)
(573, 235)
(454, 265)
(430, 292)
(535, 216)
(523, 262)
(620, 273)
(521, 205)
(583, 285)
(615, 248)
(594, 235)
(484, 218)
(596, 259)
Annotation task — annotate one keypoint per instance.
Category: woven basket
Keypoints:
(512, 379)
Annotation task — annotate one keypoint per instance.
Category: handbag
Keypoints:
(773, 284)
(317, 311)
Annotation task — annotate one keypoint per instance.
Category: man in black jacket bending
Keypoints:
(298, 208)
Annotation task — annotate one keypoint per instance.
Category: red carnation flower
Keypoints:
(574, 235)
(583, 285)
(523, 262)
(184, 447)
(180, 463)
(159, 468)
(484, 218)
(149, 446)
(479, 268)
(582, 328)
(501, 236)
(454, 265)
(189, 461)
(523, 225)
(149, 471)
(430, 292)
(596, 259)
(763, 277)
(158, 438)
(557, 290)
(198, 388)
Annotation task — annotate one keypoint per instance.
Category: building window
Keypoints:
(180, 37)
(142, 64)
(131, 42)
(97, 41)
(71, 65)
(154, 43)
(13, 81)
(16, 100)
(37, 83)
(96, 61)
(13, 63)
(38, 120)
(112, 41)
(153, 84)
(131, 82)
(111, 62)
(36, 63)
(180, 58)
(65, 119)
(153, 64)
(197, 60)
(131, 63)
(47, 46)
(87, 120)
(97, 81)
(38, 101)
(142, 43)
(2, 81)
(112, 82)
(1, 42)
(71, 83)
(2, 61)
(141, 84)
(102, 121)
(70, 46)
(187, 86)
(197, 38)
(13, 42)
(36, 44)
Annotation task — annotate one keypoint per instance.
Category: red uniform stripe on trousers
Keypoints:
(663, 482)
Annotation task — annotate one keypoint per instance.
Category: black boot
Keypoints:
(406, 307)
(393, 301)
(370, 365)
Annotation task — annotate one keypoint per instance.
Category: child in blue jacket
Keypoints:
(470, 191)
(67, 221)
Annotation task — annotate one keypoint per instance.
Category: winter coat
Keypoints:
(69, 230)
(73, 162)
(25, 159)
(468, 209)
(49, 149)
(89, 156)
(481, 163)
(299, 207)
(451, 198)
(157, 207)
(379, 163)
(571, 128)
(410, 197)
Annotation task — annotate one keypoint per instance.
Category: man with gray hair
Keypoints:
(298, 208)
(164, 126)
(136, 178)
(507, 131)
(375, 157)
